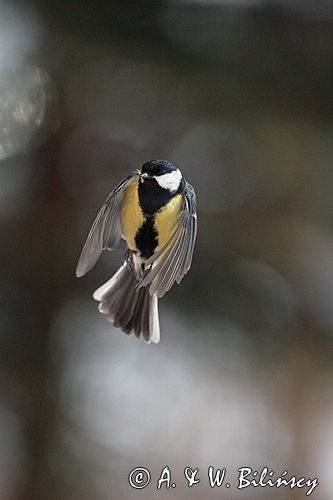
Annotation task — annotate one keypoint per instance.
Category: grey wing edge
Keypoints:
(106, 231)
(173, 261)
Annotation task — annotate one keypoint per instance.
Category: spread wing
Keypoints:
(171, 262)
(105, 232)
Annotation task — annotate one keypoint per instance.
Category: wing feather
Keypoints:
(106, 230)
(173, 260)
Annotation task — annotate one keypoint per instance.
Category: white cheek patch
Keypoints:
(170, 181)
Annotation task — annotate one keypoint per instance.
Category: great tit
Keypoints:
(154, 211)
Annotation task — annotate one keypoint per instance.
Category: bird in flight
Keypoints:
(154, 211)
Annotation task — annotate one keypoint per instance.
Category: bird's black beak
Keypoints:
(146, 176)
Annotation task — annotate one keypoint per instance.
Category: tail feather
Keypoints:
(154, 322)
(122, 303)
(132, 309)
(126, 310)
(139, 314)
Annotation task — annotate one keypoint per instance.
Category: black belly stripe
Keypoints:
(146, 238)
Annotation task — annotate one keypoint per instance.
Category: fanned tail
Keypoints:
(130, 308)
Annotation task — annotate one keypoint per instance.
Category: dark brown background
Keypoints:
(239, 94)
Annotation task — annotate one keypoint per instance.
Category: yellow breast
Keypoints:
(131, 215)
(166, 219)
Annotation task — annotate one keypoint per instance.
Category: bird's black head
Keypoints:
(164, 172)
(158, 167)
(160, 180)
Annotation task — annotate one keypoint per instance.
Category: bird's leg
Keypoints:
(128, 258)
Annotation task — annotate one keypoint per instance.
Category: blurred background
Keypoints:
(238, 93)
